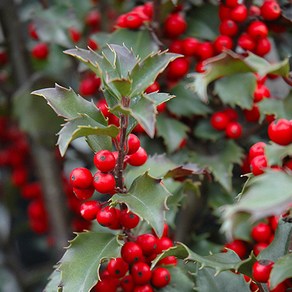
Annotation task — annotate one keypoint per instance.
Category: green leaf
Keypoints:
(265, 195)
(179, 281)
(147, 198)
(221, 162)
(219, 262)
(159, 97)
(237, 89)
(203, 22)
(280, 244)
(204, 130)
(281, 271)
(81, 262)
(172, 132)
(66, 103)
(97, 143)
(186, 103)
(275, 153)
(226, 281)
(144, 111)
(146, 71)
(141, 41)
(54, 282)
(80, 127)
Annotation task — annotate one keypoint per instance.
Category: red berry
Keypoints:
(163, 243)
(222, 42)
(190, 46)
(260, 93)
(104, 182)
(258, 164)
(257, 149)
(81, 178)
(280, 132)
(138, 158)
(205, 50)
(103, 107)
(219, 121)
(104, 160)
(270, 10)
(141, 273)
(108, 285)
(178, 68)
(228, 27)
(92, 44)
(40, 51)
(143, 288)
(117, 268)
(261, 270)
(74, 34)
(261, 232)
(36, 210)
(161, 107)
(263, 46)
(232, 114)
(233, 130)
(257, 29)
(89, 209)
(31, 190)
(231, 3)
(254, 11)
(238, 246)
(127, 283)
(160, 277)
(153, 87)
(32, 31)
(224, 12)
(281, 287)
(133, 20)
(239, 13)
(83, 194)
(176, 46)
(169, 260)
(87, 87)
(129, 220)
(246, 42)
(106, 216)
(200, 67)
(133, 144)
(175, 25)
(148, 243)
(253, 114)
(93, 19)
(258, 247)
(273, 222)
(131, 252)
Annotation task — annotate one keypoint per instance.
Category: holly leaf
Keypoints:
(219, 262)
(237, 89)
(81, 127)
(54, 282)
(229, 63)
(265, 195)
(97, 143)
(159, 97)
(179, 281)
(276, 153)
(141, 41)
(172, 132)
(226, 281)
(281, 271)
(221, 162)
(186, 103)
(147, 198)
(204, 130)
(66, 103)
(146, 71)
(81, 262)
(280, 244)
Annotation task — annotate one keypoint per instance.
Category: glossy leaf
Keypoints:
(147, 198)
(66, 103)
(54, 282)
(159, 97)
(276, 153)
(172, 132)
(281, 271)
(81, 262)
(187, 103)
(82, 127)
(204, 130)
(146, 71)
(97, 143)
(237, 89)
(221, 162)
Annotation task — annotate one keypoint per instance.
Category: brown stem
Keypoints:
(156, 17)
(122, 149)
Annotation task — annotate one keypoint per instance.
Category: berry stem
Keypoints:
(122, 147)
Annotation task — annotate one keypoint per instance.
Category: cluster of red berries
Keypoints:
(226, 120)
(131, 272)
(104, 181)
(89, 85)
(137, 17)
(279, 132)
